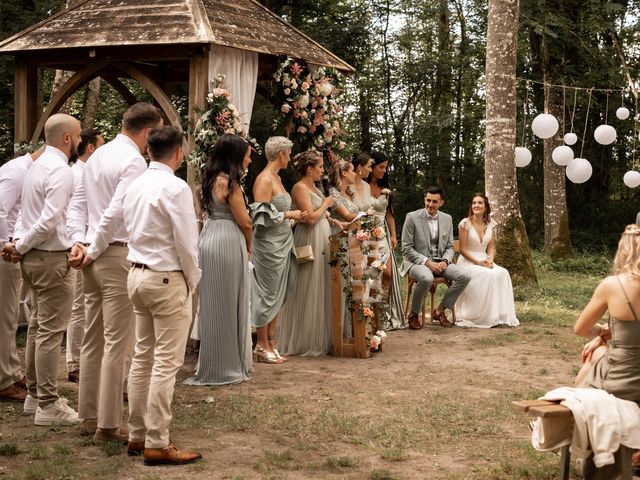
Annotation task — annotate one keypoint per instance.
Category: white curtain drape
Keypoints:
(240, 69)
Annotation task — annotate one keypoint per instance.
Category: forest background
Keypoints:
(418, 95)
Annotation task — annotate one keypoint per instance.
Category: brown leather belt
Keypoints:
(118, 244)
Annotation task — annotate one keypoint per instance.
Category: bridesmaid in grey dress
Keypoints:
(380, 193)
(275, 266)
(342, 176)
(362, 163)
(305, 327)
(224, 248)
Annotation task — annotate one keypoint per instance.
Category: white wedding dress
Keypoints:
(488, 299)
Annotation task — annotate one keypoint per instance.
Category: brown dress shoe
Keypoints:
(135, 449)
(89, 426)
(443, 320)
(414, 321)
(13, 394)
(111, 434)
(170, 455)
(74, 376)
(22, 383)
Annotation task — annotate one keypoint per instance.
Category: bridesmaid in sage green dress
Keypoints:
(305, 326)
(380, 191)
(275, 265)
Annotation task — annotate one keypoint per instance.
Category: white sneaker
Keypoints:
(56, 413)
(30, 405)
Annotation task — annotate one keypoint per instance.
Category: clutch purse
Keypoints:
(304, 254)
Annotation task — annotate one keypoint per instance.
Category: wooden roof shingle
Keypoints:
(243, 24)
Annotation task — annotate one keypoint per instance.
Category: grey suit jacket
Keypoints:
(416, 239)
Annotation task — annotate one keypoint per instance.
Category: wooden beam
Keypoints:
(121, 88)
(26, 101)
(198, 89)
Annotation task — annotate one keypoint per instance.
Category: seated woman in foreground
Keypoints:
(488, 299)
(611, 359)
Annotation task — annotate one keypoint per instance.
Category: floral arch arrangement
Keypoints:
(308, 100)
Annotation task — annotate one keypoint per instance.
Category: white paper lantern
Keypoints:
(570, 138)
(579, 170)
(562, 155)
(631, 179)
(605, 134)
(622, 113)
(544, 125)
(523, 156)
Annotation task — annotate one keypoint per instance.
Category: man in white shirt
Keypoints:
(163, 249)
(109, 335)
(12, 382)
(77, 229)
(42, 245)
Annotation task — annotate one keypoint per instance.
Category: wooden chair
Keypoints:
(432, 291)
(547, 409)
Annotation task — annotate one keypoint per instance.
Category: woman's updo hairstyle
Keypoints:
(304, 160)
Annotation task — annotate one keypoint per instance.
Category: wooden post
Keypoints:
(26, 100)
(337, 313)
(198, 89)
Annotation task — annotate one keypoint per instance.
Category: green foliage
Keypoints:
(9, 449)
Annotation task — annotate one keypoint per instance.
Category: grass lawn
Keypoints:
(435, 404)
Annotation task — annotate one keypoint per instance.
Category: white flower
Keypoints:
(286, 108)
(303, 101)
(325, 89)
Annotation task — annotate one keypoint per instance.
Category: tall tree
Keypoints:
(500, 175)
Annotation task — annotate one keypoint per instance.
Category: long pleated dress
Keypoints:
(274, 260)
(223, 325)
(393, 315)
(305, 327)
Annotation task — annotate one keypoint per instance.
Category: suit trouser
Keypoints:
(10, 288)
(75, 330)
(51, 281)
(162, 303)
(424, 279)
(108, 338)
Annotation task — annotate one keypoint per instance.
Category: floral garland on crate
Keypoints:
(220, 117)
(364, 272)
(311, 114)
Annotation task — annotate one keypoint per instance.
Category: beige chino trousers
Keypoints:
(10, 288)
(75, 330)
(51, 281)
(108, 338)
(162, 304)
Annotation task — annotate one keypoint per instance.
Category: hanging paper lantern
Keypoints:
(579, 170)
(544, 125)
(562, 155)
(605, 134)
(622, 113)
(523, 156)
(570, 138)
(631, 179)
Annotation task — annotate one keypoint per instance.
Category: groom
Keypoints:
(427, 251)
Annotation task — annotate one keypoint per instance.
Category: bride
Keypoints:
(488, 299)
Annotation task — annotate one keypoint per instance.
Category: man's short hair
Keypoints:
(140, 116)
(88, 136)
(163, 142)
(434, 191)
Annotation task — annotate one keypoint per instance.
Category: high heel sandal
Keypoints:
(272, 344)
(262, 356)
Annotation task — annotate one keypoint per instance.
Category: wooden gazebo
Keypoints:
(155, 42)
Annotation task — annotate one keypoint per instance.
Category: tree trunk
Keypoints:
(500, 172)
(557, 241)
(91, 103)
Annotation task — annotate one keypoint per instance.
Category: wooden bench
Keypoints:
(432, 291)
(548, 409)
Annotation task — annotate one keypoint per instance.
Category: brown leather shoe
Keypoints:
(414, 321)
(22, 383)
(111, 434)
(135, 449)
(170, 455)
(74, 376)
(13, 394)
(443, 320)
(89, 426)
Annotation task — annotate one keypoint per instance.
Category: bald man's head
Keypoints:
(63, 132)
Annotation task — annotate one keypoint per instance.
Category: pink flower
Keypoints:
(220, 92)
(367, 312)
(314, 104)
(287, 91)
(302, 129)
(222, 117)
(318, 117)
(342, 146)
(374, 343)
(378, 232)
(296, 69)
(362, 236)
(304, 86)
(285, 108)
